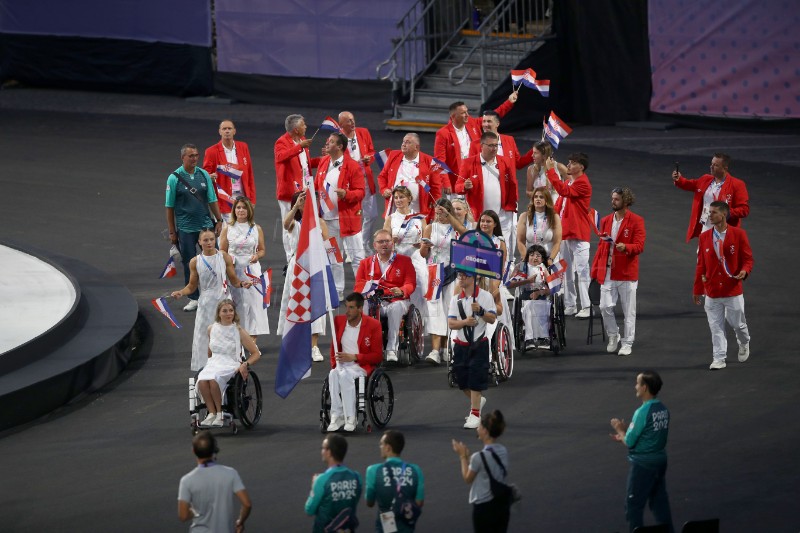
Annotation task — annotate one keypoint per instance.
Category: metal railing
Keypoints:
(426, 32)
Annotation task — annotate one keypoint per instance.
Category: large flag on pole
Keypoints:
(312, 293)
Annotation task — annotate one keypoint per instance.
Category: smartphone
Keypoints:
(677, 167)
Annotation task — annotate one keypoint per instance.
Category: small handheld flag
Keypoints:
(435, 281)
(224, 196)
(381, 157)
(555, 130)
(169, 269)
(330, 125)
(441, 167)
(525, 77)
(543, 86)
(334, 254)
(163, 308)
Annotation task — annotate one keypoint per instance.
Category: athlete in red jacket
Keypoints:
(234, 157)
(411, 168)
(362, 151)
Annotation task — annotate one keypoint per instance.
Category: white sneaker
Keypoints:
(583, 313)
(569, 311)
(207, 421)
(625, 349)
(613, 343)
(434, 357)
(718, 364)
(316, 355)
(391, 356)
(191, 306)
(336, 423)
(472, 422)
(219, 421)
(350, 424)
(744, 352)
(483, 402)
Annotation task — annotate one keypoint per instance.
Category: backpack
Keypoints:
(344, 522)
(504, 493)
(405, 509)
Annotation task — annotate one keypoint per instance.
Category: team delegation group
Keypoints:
(424, 206)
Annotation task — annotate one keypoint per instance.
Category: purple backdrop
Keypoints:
(735, 59)
(307, 38)
(175, 21)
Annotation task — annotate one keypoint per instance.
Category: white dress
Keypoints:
(505, 296)
(242, 244)
(536, 313)
(226, 355)
(318, 326)
(441, 235)
(542, 181)
(412, 233)
(211, 276)
(538, 230)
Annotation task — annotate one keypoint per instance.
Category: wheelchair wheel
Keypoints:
(502, 352)
(380, 398)
(413, 337)
(451, 376)
(325, 407)
(559, 320)
(247, 400)
(519, 324)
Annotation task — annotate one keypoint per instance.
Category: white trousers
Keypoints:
(626, 292)
(352, 246)
(508, 227)
(576, 254)
(342, 386)
(287, 245)
(718, 311)
(394, 313)
(368, 214)
(536, 317)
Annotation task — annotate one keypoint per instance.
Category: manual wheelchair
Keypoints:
(241, 401)
(411, 337)
(374, 401)
(501, 354)
(556, 340)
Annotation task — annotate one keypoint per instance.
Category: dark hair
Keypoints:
(455, 105)
(248, 205)
(626, 194)
(395, 440)
(581, 159)
(337, 446)
(722, 206)
(549, 212)
(489, 135)
(535, 248)
(492, 113)
(652, 381)
(494, 423)
(204, 445)
(187, 146)
(405, 191)
(298, 215)
(544, 148)
(444, 202)
(341, 139)
(356, 297)
(726, 159)
(498, 231)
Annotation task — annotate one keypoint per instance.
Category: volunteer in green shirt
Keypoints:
(336, 489)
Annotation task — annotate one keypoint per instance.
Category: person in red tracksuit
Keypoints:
(616, 267)
(230, 153)
(724, 260)
(414, 170)
(485, 180)
(719, 185)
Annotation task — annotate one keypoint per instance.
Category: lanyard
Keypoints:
(408, 224)
(240, 246)
(718, 241)
(374, 261)
(536, 238)
(209, 266)
(442, 244)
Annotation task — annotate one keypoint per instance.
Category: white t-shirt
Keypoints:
(463, 141)
(407, 176)
(491, 186)
(484, 299)
(350, 340)
(329, 187)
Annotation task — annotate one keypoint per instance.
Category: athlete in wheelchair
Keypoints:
(390, 279)
(354, 383)
(538, 314)
(225, 389)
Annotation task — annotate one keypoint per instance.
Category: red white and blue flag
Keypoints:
(224, 196)
(169, 269)
(334, 254)
(435, 281)
(554, 280)
(410, 218)
(262, 284)
(525, 77)
(326, 204)
(423, 185)
(555, 130)
(381, 157)
(312, 293)
(441, 167)
(330, 125)
(543, 86)
(163, 308)
(230, 170)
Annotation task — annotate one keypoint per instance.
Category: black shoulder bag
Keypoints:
(504, 493)
(197, 195)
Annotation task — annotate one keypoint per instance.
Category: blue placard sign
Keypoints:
(476, 260)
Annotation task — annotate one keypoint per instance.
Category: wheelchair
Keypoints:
(411, 337)
(374, 401)
(501, 355)
(242, 401)
(557, 328)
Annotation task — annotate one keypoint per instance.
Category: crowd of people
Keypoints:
(469, 182)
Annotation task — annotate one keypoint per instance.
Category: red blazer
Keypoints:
(370, 342)
(288, 172)
(575, 222)
(366, 148)
(509, 150)
(738, 256)
(472, 166)
(400, 274)
(215, 155)
(733, 192)
(446, 146)
(624, 265)
(351, 179)
(388, 177)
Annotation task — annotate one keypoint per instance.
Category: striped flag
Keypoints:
(330, 125)
(369, 287)
(555, 130)
(224, 196)
(262, 284)
(525, 77)
(441, 167)
(594, 216)
(435, 281)
(230, 170)
(543, 86)
(326, 204)
(334, 254)
(423, 184)
(410, 218)
(169, 269)
(163, 308)
(381, 157)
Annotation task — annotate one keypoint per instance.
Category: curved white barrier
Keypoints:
(34, 297)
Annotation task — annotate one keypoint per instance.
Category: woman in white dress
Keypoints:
(226, 338)
(291, 224)
(208, 271)
(541, 225)
(243, 239)
(489, 223)
(405, 233)
(535, 305)
(444, 228)
(537, 172)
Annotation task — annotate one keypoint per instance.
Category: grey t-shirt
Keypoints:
(480, 491)
(210, 492)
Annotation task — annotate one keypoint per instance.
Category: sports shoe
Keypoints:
(717, 364)
(207, 421)
(483, 402)
(569, 311)
(583, 313)
(191, 306)
(219, 421)
(391, 356)
(613, 343)
(472, 422)
(744, 352)
(336, 423)
(350, 424)
(625, 349)
(434, 357)
(316, 355)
